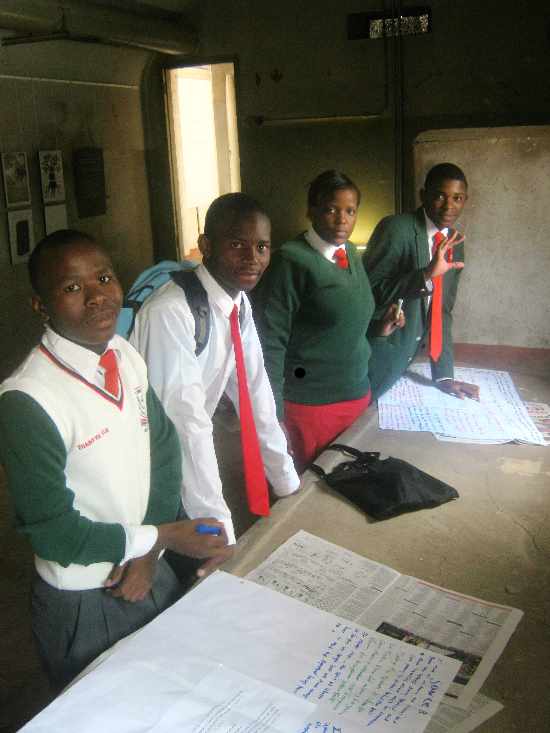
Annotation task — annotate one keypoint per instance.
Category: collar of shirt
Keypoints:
(431, 229)
(325, 249)
(216, 294)
(78, 358)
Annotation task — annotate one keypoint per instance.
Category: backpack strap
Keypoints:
(197, 300)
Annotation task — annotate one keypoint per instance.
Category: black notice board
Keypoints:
(89, 180)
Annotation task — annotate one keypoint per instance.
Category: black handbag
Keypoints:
(384, 488)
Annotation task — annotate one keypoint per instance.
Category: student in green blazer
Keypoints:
(400, 264)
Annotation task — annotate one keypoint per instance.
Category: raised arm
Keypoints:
(390, 266)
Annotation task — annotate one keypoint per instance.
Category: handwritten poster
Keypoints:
(322, 673)
(413, 403)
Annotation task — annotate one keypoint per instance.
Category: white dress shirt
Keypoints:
(190, 388)
(326, 249)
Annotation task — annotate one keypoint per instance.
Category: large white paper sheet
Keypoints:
(324, 575)
(413, 403)
(228, 702)
(350, 676)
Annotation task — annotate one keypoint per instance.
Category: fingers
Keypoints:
(461, 390)
(470, 390)
(115, 576)
(214, 562)
(201, 538)
(138, 579)
(209, 540)
(454, 238)
(132, 590)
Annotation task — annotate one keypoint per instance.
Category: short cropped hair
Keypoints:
(230, 206)
(57, 240)
(326, 183)
(444, 172)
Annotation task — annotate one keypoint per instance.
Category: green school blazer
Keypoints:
(396, 254)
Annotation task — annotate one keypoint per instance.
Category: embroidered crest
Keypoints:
(142, 408)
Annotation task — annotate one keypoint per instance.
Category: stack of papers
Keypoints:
(413, 403)
(235, 657)
(467, 629)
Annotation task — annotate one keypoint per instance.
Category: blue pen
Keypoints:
(207, 529)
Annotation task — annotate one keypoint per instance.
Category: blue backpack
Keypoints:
(183, 274)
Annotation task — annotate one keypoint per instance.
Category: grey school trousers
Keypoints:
(71, 628)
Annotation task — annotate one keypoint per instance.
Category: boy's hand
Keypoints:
(133, 580)
(439, 265)
(393, 318)
(183, 538)
(115, 576)
(459, 389)
(214, 562)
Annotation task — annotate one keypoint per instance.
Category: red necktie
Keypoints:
(436, 320)
(254, 474)
(341, 258)
(109, 363)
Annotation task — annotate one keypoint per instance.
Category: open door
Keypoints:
(204, 144)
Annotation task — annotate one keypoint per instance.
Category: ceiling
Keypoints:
(155, 7)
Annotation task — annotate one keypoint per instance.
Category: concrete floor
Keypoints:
(494, 542)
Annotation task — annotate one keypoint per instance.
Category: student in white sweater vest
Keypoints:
(93, 466)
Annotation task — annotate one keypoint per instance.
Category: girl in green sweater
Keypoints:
(314, 307)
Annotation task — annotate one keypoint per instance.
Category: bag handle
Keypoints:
(368, 456)
(318, 470)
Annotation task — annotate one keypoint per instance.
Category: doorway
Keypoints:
(204, 144)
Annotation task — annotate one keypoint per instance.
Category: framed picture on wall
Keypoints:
(51, 174)
(16, 179)
(21, 235)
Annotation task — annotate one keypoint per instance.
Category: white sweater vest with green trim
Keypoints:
(107, 445)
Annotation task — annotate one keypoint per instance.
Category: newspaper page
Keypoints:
(413, 403)
(326, 576)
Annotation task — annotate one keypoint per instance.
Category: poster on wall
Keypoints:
(51, 173)
(21, 235)
(55, 217)
(16, 179)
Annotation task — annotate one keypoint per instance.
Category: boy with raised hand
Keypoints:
(93, 465)
(236, 250)
(418, 257)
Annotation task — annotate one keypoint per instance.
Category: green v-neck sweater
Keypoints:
(313, 318)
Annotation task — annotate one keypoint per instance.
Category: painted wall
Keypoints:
(98, 104)
(503, 296)
(484, 64)
(294, 61)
